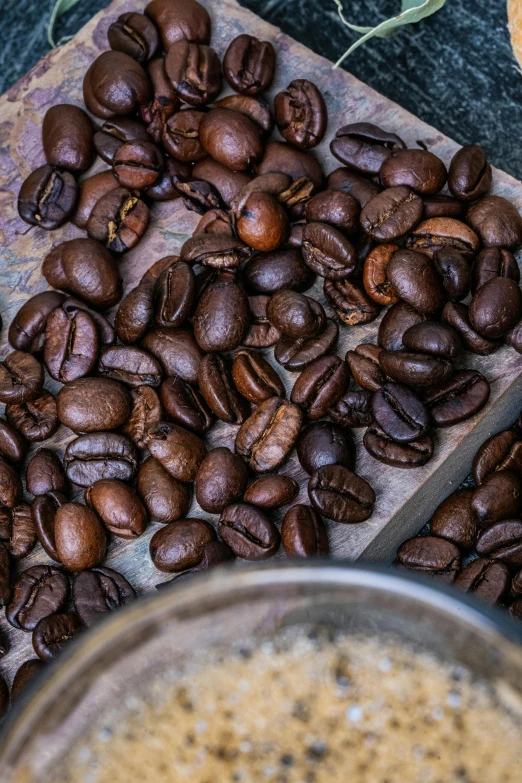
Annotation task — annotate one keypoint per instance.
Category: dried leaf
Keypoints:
(59, 9)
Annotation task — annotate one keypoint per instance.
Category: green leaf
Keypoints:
(59, 9)
(412, 11)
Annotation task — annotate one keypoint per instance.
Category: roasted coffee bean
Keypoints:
(502, 541)
(195, 72)
(285, 159)
(500, 452)
(433, 338)
(455, 272)
(442, 206)
(135, 35)
(220, 480)
(180, 545)
(5, 575)
(221, 317)
(354, 409)
(165, 498)
(185, 405)
(248, 532)
(303, 533)
(106, 333)
(294, 355)
(146, 411)
(115, 132)
(115, 83)
(166, 186)
(43, 511)
(36, 420)
(394, 323)
(154, 271)
(27, 329)
(215, 221)
(339, 494)
(21, 378)
(24, 676)
(10, 485)
(135, 313)
(12, 445)
(459, 398)
(93, 404)
(516, 585)
(217, 387)
(249, 64)
(335, 208)
(53, 633)
(84, 268)
(320, 385)
(17, 530)
(375, 278)
(456, 315)
(324, 443)
(364, 147)
(100, 455)
(391, 214)
(71, 344)
(79, 537)
(178, 450)
(218, 251)
(184, 20)
(454, 519)
(260, 333)
(137, 164)
(361, 188)
(67, 134)
(497, 222)
(231, 138)
(364, 366)
(431, 556)
(469, 176)
(214, 553)
(351, 304)
(399, 455)
(414, 279)
(417, 369)
(119, 508)
(180, 136)
(399, 413)
(497, 498)
(301, 114)
(270, 492)
(266, 438)
(496, 307)
(119, 220)
(327, 251)
(261, 222)
(281, 269)
(176, 350)
(295, 315)
(485, 579)
(228, 183)
(38, 592)
(255, 107)
(45, 473)
(131, 365)
(98, 591)
(420, 170)
(255, 378)
(430, 236)
(47, 197)
(494, 262)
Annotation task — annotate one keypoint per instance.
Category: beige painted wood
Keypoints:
(405, 499)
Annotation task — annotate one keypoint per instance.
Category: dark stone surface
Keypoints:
(454, 70)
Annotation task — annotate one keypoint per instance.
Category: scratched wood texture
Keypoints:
(405, 499)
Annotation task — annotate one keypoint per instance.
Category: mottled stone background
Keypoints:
(455, 70)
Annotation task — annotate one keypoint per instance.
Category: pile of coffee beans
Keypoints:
(187, 345)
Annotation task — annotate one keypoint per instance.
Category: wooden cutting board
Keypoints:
(405, 499)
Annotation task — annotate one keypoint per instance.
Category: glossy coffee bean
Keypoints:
(391, 214)
(469, 176)
(281, 269)
(106, 333)
(303, 533)
(327, 251)
(179, 451)
(266, 438)
(220, 480)
(180, 136)
(261, 221)
(351, 304)
(414, 279)
(354, 409)
(255, 107)
(146, 411)
(228, 183)
(399, 413)
(364, 147)
(71, 344)
(199, 196)
(255, 378)
(270, 492)
(499, 452)
(27, 329)
(399, 455)
(119, 508)
(260, 333)
(24, 676)
(92, 404)
(364, 366)
(52, 634)
(47, 197)
(335, 208)
(45, 473)
(12, 445)
(420, 170)
(494, 262)
(442, 206)
(21, 378)
(430, 236)
(38, 592)
(339, 494)
(231, 138)
(100, 455)
(415, 369)
(186, 20)
(485, 579)
(17, 530)
(457, 315)
(35, 420)
(248, 532)
(215, 553)
(502, 541)
(218, 251)
(79, 537)
(137, 164)
(115, 83)
(361, 188)
(249, 64)
(156, 114)
(301, 114)
(221, 317)
(324, 443)
(180, 545)
(195, 72)
(185, 405)
(375, 277)
(119, 220)
(166, 499)
(295, 355)
(430, 556)
(497, 498)
(295, 315)
(176, 350)
(497, 222)
(459, 398)
(129, 365)
(455, 271)
(113, 133)
(135, 35)
(285, 159)
(98, 591)
(43, 511)
(320, 385)
(496, 307)
(434, 338)
(454, 519)
(215, 221)
(394, 323)
(10, 485)
(217, 387)
(67, 134)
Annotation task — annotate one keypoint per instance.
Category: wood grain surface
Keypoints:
(405, 499)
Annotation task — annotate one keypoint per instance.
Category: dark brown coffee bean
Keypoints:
(354, 409)
(324, 443)
(413, 278)
(53, 633)
(364, 366)
(442, 206)
(43, 511)
(165, 101)
(497, 498)
(137, 164)
(281, 269)
(38, 592)
(71, 344)
(195, 72)
(17, 530)
(181, 136)
(456, 315)
(67, 134)
(79, 537)
(255, 378)
(10, 485)
(131, 365)
(500, 452)
(45, 473)
(146, 411)
(285, 159)
(260, 333)
(458, 398)
(5, 574)
(217, 388)
(455, 272)
(165, 498)
(433, 338)
(185, 20)
(178, 450)
(118, 220)
(21, 378)
(432, 235)
(494, 262)
(391, 214)
(295, 355)
(341, 495)
(24, 676)
(176, 350)
(496, 307)
(420, 170)
(469, 175)
(47, 197)
(135, 313)
(119, 508)
(320, 385)
(248, 532)
(36, 420)
(295, 315)
(231, 138)
(497, 222)
(327, 251)
(115, 84)
(416, 369)
(502, 541)
(364, 147)
(180, 545)
(375, 277)
(27, 329)
(166, 186)
(399, 413)
(454, 519)
(98, 591)
(228, 183)
(220, 480)
(199, 196)
(486, 579)
(256, 108)
(12, 445)
(351, 304)
(109, 138)
(303, 533)
(100, 455)
(93, 404)
(399, 455)
(185, 405)
(215, 553)
(301, 114)
(215, 221)
(135, 35)
(335, 208)
(266, 438)
(270, 492)
(221, 317)
(261, 222)
(361, 188)
(249, 64)
(396, 320)
(218, 251)
(431, 556)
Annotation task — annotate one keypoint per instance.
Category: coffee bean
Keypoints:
(179, 451)
(137, 164)
(391, 214)
(266, 438)
(217, 388)
(270, 492)
(420, 170)
(364, 147)
(10, 485)
(98, 591)
(255, 378)
(455, 272)
(219, 251)
(45, 474)
(214, 221)
(456, 315)
(146, 411)
(71, 345)
(431, 556)
(47, 197)
(324, 443)
(115, 132)
(516, 585)
(221, 317)
(5, 580)
(24, 676)
(497, 222)
(335, 208)
(485, 579)
(165, 498)
(301, 114)
(354, 409)
(118, 507)
(502, 541)
(118, 220)
(53, 633)
(21, 378)
(36, 420)
(458, 398)
(185, 405)
(195, 72)
(231, 138)
(249, 64)
(17, 530)
(454, 519)
(228, 183)
(494, 262)
(364, 366)
(67, 134)
(135, 35)
(135, 313)
(166, 186)
(281, 269)
(260, 333)
(176, 350)
(295, 315)
(361, 188)
(433, 338)
(327, 251)
(43, 511)
(130, 365)
(500, 452)
(27, 329)
(261, 221)
(375, 279)
(418, 369)
(303, 533)
(350, 303)
(100, 455)
(414, 279)
(180, 545)
(320, 385)
(220, 480)
(38, 592)
(469, 175)
(442, 206)
(12, 446)
(115, 84)
(255, 107)
(396, 320)
(186, 20)
(399, 455)
(180, 136)
(294, 355)
(497, 498)
(93, 404)
(430, 236)
(400, 413)
(496, 307)
(79, 537)
(285, 159)
(341, 495)
(248, 532)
